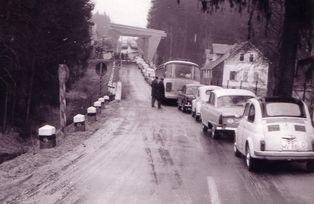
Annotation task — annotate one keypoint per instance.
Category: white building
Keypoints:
(242, 66)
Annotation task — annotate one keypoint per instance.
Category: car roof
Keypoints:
(280, 99)
(181, 62)
(193, 84)
(211, 87)
(226, 92)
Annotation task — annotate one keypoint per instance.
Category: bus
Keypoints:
(176, 74)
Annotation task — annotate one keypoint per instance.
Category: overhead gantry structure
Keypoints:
(151, 37)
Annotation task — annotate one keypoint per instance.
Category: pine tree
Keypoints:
(36, 36)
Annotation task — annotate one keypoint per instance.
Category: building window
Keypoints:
(233, 75)
(241, 57)
(251, 57)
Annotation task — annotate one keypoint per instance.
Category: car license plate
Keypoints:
(289, 145)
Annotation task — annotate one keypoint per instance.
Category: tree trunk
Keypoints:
(12, 119)
(29, 100)
(5, 112)
(288, 50)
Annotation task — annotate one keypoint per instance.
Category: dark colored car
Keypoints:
(186, 95)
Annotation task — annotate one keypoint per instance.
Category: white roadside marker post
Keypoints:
(47, 137)
(118, 91)
(102, 102)
(107, 98)
(91, 114)
(114, 84)
(79, 122)
(97, 105)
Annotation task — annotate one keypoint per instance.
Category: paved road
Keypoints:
(146, 155)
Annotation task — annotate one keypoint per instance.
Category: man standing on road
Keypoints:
(160, 92)
(154, 90)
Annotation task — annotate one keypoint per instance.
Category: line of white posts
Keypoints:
(47, 133)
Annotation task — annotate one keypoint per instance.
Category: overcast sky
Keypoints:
(128, 12)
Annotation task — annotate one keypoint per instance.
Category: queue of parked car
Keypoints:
(148, 70)
(268, 128)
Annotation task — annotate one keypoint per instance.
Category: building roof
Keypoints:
(221, 48)
(181, 62)
(233, 51)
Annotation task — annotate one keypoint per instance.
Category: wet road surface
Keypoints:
(146, 155)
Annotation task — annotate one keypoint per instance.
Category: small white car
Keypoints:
(275, 128)
(223, 110)
(202, 97)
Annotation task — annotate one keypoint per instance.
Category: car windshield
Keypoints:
(192, 90)
(230, 101)
(284, 109)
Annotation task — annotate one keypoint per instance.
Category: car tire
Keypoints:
(310, 166)
(204, 128)
(251, 163)
(197, 118)
(193, 114)
(236, 151)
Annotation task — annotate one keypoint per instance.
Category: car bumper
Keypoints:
(170, 95)
(226, 129)
(272, 155)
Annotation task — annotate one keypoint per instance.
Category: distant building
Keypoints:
(237, 66)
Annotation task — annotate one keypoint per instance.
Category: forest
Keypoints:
(35, 37)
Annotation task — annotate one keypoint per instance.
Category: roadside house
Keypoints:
(242, 66)
(217, 51)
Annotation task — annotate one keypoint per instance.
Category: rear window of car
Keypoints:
(282, 109)
(230, 101)
(192, 90)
